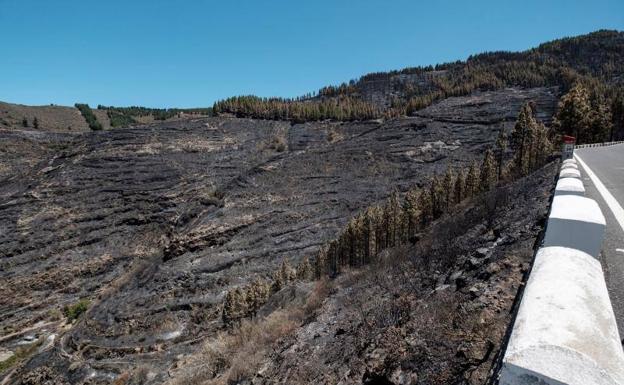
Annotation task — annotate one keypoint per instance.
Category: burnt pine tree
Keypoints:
(437, 197)
(521, 138)
(472, 181)
(542, 146)
(321, 262)
(501, 148)
(448, 187)
(304, 270)
(234, 307)
(426, 207)
(412, 212)
(460, 186)
(488, 171)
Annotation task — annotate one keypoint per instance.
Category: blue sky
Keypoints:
(190, 53)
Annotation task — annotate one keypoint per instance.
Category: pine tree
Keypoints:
(24, 122)
(501, 148)
(378, 229)
(472, 181)
(572, 117)
(437, 197)
(600, 122)
(521, 139)
(256, 295)
(35, 123)
(426, 207)
(412, 212)
(460, 186)
(234, 306)
(321, 263)
(543, 147)
(278, 281)
(304, 270)
(488, 171)
(283, 275)
(394, 214)
(369, 235)
(448, 184)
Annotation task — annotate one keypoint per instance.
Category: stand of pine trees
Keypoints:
(89, 116)
(244, 302)
(400, 219)
(343, 108)
(553, 64)
(590, 118)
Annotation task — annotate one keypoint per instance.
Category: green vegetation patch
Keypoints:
(120, 119)
(72, 312)
(89, 116)
(125, 116)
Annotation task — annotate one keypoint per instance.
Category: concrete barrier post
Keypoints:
(570, 173)
(575, 222)
(565, 331)
(569, 186)
(571, 166)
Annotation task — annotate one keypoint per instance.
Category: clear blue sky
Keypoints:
(189, 53)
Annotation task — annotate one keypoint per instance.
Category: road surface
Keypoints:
(602, 170)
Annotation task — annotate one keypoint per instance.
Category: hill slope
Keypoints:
(120, 249)
(154, 224)
(51, 118)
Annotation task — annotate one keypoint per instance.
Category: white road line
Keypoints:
(613, 204)
(620, 250)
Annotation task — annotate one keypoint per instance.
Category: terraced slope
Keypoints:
(154, 224)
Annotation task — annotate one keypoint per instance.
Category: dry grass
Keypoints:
(51, 118)
(334, 136)
(238, 354)
(278, 143)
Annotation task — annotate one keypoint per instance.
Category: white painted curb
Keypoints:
(575, 222)
(570, 173)
(569, 161)
(570, 166)
(569, 186)
(565, 331)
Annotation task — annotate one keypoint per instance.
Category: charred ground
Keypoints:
(154, 224)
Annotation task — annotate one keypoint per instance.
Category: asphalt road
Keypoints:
(607, 164)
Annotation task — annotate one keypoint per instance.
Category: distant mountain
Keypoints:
(599, 55)
(595, 59)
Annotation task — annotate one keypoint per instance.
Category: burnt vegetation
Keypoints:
(376, 232)
(401, 220)
(591, 61)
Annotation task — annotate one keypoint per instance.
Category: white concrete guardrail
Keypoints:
(570, 173)
(565, 332)
(569, 186)
(598, 144)
(575, 222)
(568, 165)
